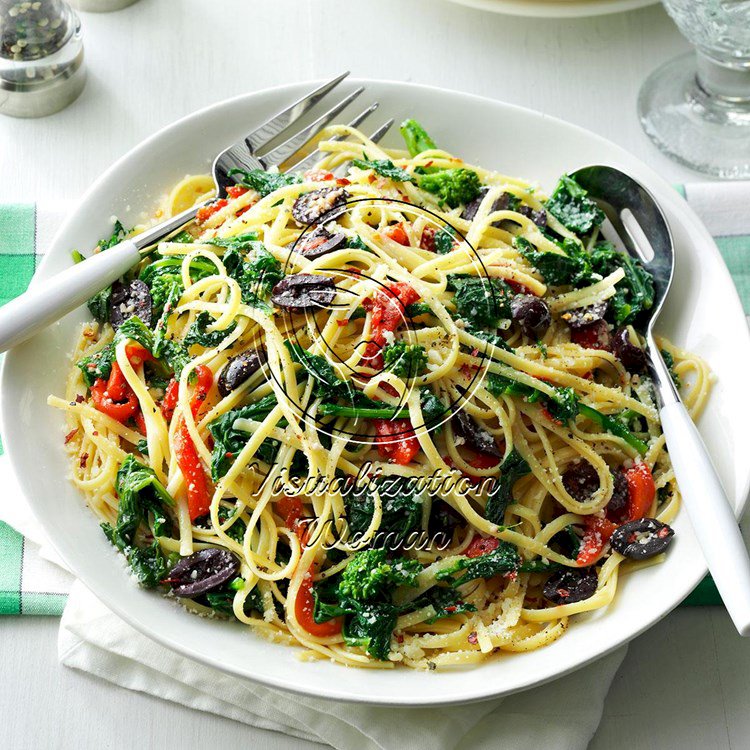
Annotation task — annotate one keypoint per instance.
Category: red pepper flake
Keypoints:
(343, 181)
(84, 459)
(70, 435)
(95, 433)
(80, 398)
(399, 638)
(342, 323)
(473, 639)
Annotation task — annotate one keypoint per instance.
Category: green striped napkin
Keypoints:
(25, 578)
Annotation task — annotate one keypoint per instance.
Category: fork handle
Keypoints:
(48, 301)
(711, 514)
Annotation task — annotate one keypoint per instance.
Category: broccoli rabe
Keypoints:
(383, 167)
(572, 207)
(453, 187)
(482, 302)
(405, 360)
(263, 182)
(416, 137)
(370, 575)
(503, 559)
(98, 365)
(669, 362)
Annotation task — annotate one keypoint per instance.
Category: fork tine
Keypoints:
(283, 119)
(310, 160)
(290, 146)
(382, 130)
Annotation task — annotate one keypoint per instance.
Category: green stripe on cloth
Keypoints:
(736, 254)
(18, 229)
(11, 565)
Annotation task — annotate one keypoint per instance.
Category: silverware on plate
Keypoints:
(47, 302)
(636, 225)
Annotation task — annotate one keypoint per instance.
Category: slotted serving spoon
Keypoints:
(636, 225)
(47, 302)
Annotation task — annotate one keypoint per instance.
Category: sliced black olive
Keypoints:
(476, 437)
(617, 507)
(538, 217)
(202, 571)
(239, 369)
(642, 539)
(304, 291)
(471, 208)
(571, 585)
(585, 316)
(443, 522)
(581, 481)
(631, 355)
(127, 300)
(310, 207)
(321, 242)
(531, 313)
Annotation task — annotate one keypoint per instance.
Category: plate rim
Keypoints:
(468, 696)
(555, 8)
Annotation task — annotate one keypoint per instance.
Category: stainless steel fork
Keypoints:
(47, 302)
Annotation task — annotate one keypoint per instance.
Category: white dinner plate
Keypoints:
(555, 8)
(703, 313)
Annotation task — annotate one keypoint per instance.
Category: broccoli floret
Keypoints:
(370, 575)
(405, 360)
(452, 186)
(416, 137)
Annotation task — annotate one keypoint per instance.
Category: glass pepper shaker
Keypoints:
(41, 57)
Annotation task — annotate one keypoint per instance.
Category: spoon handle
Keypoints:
(48, 301)
(711, 514)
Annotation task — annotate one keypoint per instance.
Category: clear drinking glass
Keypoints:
(696, 108)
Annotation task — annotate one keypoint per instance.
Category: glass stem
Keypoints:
(729, 82)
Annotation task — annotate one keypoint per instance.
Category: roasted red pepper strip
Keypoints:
(291, 510)
(169, 402)
(641, 491)
(387, 309)
(304, 605)
(397, 233)
(199, 496)
(479, 546)
(205, 213)
(597, 534)
(121, 408)
(396, 440)
(235, 191)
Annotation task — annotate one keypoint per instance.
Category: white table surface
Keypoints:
(683, 683)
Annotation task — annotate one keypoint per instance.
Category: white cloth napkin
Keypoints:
(563, 714)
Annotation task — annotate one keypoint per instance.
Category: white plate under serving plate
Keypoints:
(556, 8)
(703, 313)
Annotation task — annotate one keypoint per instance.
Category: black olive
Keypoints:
(571, 585)
(617, 506)
(631, 355)
(531, 313)
(585, 316)
(581, 481)
(239, 369)
(202, 571)
(128, 300)
(476, 437)
(443, 521)
(304, 291)
(321, 242)
(310, 207)
(642, 539)
(471, 208)
(538, 217)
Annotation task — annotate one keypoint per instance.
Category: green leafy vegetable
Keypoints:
(669, 362)
(405, 360)
(455, 187)
(635, 293)
(264, 182)
(149, 564)
(228, 442)
(198, 333)
(370, 575)
(572, 207)
(416, 137)
(371, 628)
(444, 239)
(483, 303)
(385, 168)
(97, 365)
(402, 508)
(257, 274)
(513, 467)
(200, 268)
(572, 266)
(135, 329)
(415, 309)
(503, 559)
(99, 304)
(613, 426)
